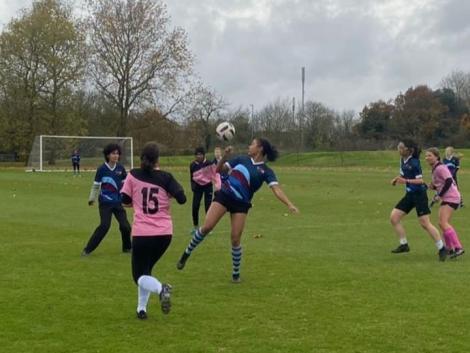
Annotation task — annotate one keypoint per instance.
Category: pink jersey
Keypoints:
(439, 175)
(208, 175)
(204, 175)
(150, 194)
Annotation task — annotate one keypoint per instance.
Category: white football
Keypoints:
(225, 131)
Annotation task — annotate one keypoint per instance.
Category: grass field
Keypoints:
(322, 281)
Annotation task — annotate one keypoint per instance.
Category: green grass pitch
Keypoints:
(322, 281)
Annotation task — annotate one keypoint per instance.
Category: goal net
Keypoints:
(54, 153)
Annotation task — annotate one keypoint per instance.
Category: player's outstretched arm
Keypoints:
(279, 193)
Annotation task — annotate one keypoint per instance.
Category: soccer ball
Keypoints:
(225, 131)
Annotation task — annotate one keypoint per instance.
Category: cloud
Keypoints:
(354, 51)
(10, 9)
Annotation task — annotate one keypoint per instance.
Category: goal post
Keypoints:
(54, 153)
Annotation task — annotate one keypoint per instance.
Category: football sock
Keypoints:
(143, 299)
(439, 244)
(454, 238)
(448, 239)
(196, 239)
(403, 241)
(236, 259)
(150, 284)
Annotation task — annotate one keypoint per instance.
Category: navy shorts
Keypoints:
(232, 205)
(416, 199)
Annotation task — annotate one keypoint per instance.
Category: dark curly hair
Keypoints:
(110, 148)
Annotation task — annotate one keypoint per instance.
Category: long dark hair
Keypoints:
(413, 147)
(149, 156)
(269, 150)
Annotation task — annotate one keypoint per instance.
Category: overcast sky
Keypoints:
(354, 51)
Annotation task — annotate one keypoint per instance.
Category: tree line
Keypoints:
(122, 69)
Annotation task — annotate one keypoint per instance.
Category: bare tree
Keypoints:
(134, 54)
(459, 82)
(276, 122)
(204, 108)
(319, 125)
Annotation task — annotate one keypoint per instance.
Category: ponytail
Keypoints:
(269, 150)
(413, 147)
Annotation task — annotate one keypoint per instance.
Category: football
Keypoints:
(225, 131)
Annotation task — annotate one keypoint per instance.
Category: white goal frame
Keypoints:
(41, 137)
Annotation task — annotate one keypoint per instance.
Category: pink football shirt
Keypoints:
(151, 196)
(439, 176)
(205, 175)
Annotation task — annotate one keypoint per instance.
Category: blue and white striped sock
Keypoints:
(236, 259)
(196, 239)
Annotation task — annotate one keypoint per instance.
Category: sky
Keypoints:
(354, 51)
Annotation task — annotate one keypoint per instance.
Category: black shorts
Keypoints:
(232, 205)
(146, 251)
(455, 206)
(418, 200)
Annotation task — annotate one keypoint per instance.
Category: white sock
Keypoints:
(403, 241)
(143, 299)
(150, 284)
(439, 244)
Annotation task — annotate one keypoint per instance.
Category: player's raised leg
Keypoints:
(214, 214)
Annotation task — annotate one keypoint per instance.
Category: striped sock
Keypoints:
(236, 259)
(196, 239)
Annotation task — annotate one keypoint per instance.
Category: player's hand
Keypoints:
(431, 186)
(401, 180)
(394, 181)
(435, 198)
(90, 203)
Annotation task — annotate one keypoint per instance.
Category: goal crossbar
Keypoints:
(40, 140)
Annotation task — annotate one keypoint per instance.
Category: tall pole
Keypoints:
(252, 121)
(294, 124)
(132, 153)
(40, 153)
(293, 111)
(303, 111)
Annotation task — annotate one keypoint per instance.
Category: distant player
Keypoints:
(449, 195)
(201, 175)
(149, 191)
(108, 182)
(415, 197)
(76, 162)
(452, 161)
(241, 177)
